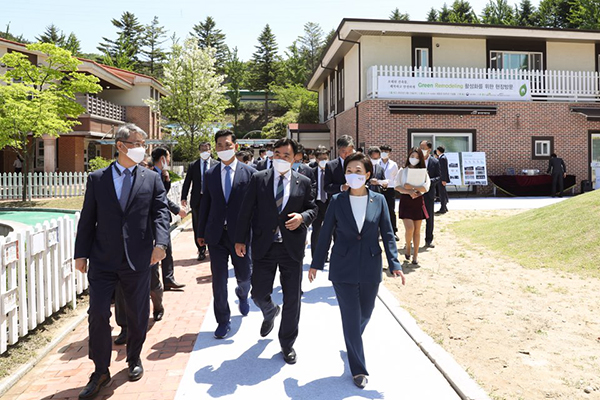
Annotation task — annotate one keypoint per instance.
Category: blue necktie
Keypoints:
(204, 173)
(227, 183)
(279, 202)
(125, 189)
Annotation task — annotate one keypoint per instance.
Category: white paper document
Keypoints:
(416, 176)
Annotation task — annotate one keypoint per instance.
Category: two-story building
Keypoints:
(121, 100)
(517, 94)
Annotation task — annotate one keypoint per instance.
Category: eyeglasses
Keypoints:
(136, 144)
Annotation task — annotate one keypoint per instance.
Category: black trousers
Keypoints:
(195, 216)
(357, 301)
(558, 180)
(168, 269)
(429, 202)
(156, 296)
(443, 196)
(263, 276)
(136, 290)
(219, 267)
(390, 199)
(317, 224)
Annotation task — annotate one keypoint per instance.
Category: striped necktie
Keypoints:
(279, 202)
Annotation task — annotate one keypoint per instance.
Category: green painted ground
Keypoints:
(32, 217)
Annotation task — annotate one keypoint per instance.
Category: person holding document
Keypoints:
(412, 182)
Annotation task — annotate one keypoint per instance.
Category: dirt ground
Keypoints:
(520, 333)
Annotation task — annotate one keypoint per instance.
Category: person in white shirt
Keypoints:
(18, 164)
(390, 169)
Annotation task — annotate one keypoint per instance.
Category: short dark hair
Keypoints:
(374, 149)
(361, 157)
(421, 157)
(204, 144)
(429, 144)
(360, 150)
(270, 146)
(159, 152)
(553, 155)
(344, 141)
(310, 152)
(225, 132)
(322, 150)
(262, 150)
(386, 147)
(300, 148)
(441, 149)
(286, 142)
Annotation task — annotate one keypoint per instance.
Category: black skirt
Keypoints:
(413, 209)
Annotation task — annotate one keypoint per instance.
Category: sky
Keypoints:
(241, 20)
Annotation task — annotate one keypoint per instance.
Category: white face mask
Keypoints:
(226, 155)
(385, 155)
(322, 164)
(356, 181)
(374, 161)
(269, 153)
(281, 166)
(137, 154)
(313, 160)
(413, 161)
(205, 155)
(165, 165)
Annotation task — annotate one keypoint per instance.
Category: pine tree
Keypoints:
(396, 15)
(265, 65)
(526, 14)
(295, 66)
(209, 36)
(72, 44)
(52, 35)
(155, 55)
(498, 12)
(126, 49)
(585, 14)
(236, 73)
(555, 14)
(444, 15)
(311, 45)
(462, 13)
(432, 15)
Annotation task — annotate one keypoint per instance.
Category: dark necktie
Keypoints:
(227, 183)
(204, 173)
(125, 189)
(322, 187)
(279, 202)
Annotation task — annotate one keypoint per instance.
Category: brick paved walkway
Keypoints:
(63, 372)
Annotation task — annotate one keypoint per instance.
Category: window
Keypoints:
(542, 147)
(340, 87)
(332, 93)
(326, 99)
(422, 58)
(516, 60)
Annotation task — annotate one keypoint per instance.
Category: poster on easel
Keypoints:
(474, 168)
(454, 169)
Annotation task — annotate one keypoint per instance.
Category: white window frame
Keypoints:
(419, 57)
(546, 143)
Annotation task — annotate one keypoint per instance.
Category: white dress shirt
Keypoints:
(287, 178)
(359, 209)
(119, 178)
(390, 170)
(320, 178)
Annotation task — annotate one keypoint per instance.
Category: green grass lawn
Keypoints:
(71, 203)
(564, 236)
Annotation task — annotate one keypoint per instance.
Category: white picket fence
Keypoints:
(42, 185)
(37, 277)
(545, 84)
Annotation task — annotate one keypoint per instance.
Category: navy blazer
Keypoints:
(213, 208)
(262, 165)
(379, 174)
(260, 211)
(356, 256)
(194, 177)
(105, 232)
(445, 173)
(335, 176)
(435, 173)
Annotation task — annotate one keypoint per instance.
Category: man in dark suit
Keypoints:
(335, 174)
(122, 231)
(558, 169)
(279, 205)
(225, 186)
(444, 179)
(434, 172)
(378, 182)
(194, 177)
(321, 196)
(314, 162)
(267, 163)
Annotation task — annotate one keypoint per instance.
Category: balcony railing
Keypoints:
(549, 85)
(101, 108)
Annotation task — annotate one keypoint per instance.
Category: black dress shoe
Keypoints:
(201, 257)
(289, 355)
(174, 285)
(360, 381)
(267, 325)
(430, 245)
(136, 370)
(121, 338)
(396, 237)
(159, 314)
(97, 382)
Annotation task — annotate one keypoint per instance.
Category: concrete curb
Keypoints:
(458, 378)
(10, 381)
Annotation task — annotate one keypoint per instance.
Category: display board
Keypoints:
(474, 169)
(454, 169)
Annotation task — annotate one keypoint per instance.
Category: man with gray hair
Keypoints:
(122, 231)
(335, 170)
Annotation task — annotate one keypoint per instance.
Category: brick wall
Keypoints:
(504, 137)
(344, 124)
(70, 154)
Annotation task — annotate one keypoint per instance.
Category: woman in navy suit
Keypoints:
(359, 217)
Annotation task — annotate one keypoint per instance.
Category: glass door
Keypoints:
(595, 155)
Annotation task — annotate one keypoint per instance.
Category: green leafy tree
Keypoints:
(40, 99)
(57, 37)
(196, 97)
(265, 65)
(526, 14)
(295, 69)
(97, 163)
(209, 36)
(236, 72)
(462, 13)
(311, 44)
(432, 15)
(498, 12)
(155, 55)
(585, 14)
(124, 52)
(298, 99)
(328, 39)
(555, 14)
(396, 15)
